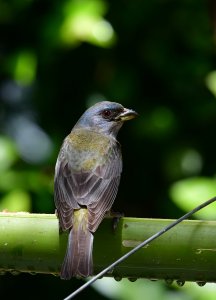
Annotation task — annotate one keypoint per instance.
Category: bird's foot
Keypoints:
(116, 216)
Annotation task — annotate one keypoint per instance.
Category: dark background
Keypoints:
(157, 61)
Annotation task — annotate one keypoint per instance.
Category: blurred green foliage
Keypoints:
(125, 290)
(157, 57)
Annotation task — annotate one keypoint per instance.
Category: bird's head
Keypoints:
(106, 117)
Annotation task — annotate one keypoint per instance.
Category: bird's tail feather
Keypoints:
(78, 258)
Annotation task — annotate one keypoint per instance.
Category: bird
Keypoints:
(87, 176)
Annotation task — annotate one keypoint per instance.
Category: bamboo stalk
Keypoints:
(32, 243)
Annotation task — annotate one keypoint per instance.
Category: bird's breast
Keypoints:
(87, 149)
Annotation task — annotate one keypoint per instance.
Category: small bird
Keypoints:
(87, 176)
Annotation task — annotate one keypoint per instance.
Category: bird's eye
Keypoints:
(106, 113)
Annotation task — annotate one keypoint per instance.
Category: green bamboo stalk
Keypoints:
(29, 243)
(32, 243)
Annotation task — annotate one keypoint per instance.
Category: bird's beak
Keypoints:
(126, 115)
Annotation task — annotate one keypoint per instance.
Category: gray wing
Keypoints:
(64, 202)
(95, 189)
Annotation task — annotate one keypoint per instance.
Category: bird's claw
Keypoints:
(116, 216)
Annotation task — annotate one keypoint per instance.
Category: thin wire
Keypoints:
(144, 243)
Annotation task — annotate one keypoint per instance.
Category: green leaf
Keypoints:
(16, 200)
(8, 153)
(191, 192)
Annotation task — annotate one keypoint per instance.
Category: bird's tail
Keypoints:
(78, 258)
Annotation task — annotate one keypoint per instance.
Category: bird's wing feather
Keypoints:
(106, 197)
(65, 204)
(95, 189)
